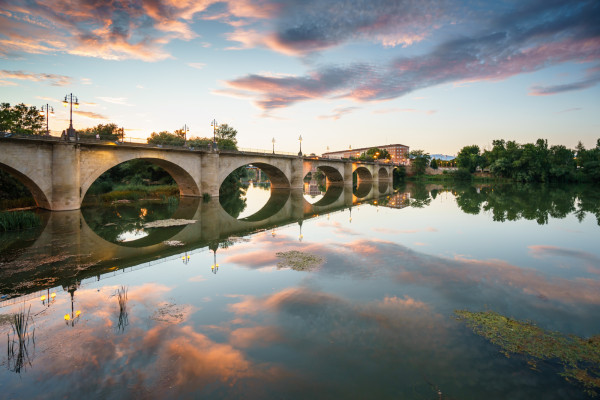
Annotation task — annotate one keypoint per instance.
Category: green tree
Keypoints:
(224, 131)
(562, 164)
(433, 164)
(399, 174)
(21, 119)
(469, 158)
(375, 153)
(200, 142)
(166, 138)
(419, 160)
(104, 131)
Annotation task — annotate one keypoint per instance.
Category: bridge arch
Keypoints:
(39, 195)
(278, 171)
(363, 189)
(185, 182)
(383, 174)
(363, 173)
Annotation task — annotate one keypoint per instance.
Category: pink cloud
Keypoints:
(54, 79)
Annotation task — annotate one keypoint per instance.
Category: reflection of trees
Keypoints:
(419, 196)
(231, 192)
(110, 222)
(531, 202)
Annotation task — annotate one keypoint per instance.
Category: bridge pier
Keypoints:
(65, 176)
(210, 174)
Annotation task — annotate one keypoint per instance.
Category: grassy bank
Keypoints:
(134, 192)
(457, 176)
(18, 220)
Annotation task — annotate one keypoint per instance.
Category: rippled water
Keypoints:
(221, 308)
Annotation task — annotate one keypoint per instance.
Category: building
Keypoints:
(399, 153)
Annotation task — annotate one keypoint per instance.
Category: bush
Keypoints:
(462, 174)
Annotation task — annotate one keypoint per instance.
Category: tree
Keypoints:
(166, 138)
(104, 131)
(21, 119)
(375, 153)
(433, 164)
(469, 158)
(226, 132)
(419, 161)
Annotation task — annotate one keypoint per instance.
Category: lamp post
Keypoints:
(273, 141)
(48, 299)
(185, 258)
(300, 140)
(215, 267)
(214, 125)
(47, 110)
(74, 317)
(70, 99)
(185, 130)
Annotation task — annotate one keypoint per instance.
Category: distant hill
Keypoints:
(442, 157)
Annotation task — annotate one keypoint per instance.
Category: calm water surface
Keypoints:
(212, 309)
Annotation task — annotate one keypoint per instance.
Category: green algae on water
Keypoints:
(580, 357)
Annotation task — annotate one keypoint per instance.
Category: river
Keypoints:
(420, 292)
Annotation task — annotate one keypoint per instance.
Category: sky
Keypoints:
(435, 75)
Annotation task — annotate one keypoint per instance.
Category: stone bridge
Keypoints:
(59, 173)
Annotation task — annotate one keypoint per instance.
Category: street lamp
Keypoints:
(214, 125)
(185, 130)
(70, 99)
(47, 110)
(300, 140)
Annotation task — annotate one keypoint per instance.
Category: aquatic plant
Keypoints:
(206, 197)
(123, 320)
(22, 334)
(16, 220)
(580, 357)
(298, 260)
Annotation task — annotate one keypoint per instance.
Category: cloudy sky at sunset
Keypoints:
(434, 75)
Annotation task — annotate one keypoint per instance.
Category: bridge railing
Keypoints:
(262, 151)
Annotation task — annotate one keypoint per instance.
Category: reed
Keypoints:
(123, 320)
(22, 335)
(18, 220)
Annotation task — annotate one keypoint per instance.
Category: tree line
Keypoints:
(533, 162)
(529, 162)
(21, 119)
(225, 138)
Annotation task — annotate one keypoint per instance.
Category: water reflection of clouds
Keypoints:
(465, 280)
(338, 228)
(400, 231)
(155, 358)
(592, 262)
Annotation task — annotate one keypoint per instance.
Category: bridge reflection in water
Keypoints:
(67, 250)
